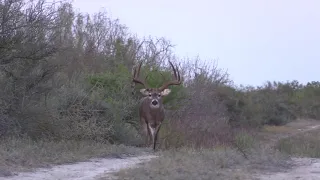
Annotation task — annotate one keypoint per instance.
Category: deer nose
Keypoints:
(154, 102)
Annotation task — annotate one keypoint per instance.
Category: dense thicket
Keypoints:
(66, 75)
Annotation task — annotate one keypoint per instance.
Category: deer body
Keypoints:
(151, 110)
(151, 114)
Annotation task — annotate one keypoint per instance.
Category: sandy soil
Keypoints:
(306, 169)
(80, 171)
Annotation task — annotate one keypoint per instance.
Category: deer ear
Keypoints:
(165, 92)
(145, 92)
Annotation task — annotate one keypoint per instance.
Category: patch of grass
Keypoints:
(25, 154)
(186, 164)
(222, 163)
(305, 144)
(277, 129)
(244, 140)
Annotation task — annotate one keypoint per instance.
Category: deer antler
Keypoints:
(136, 75)
(176, 81)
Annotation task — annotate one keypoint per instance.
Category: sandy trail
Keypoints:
(308, 169)
(80, 171)
(305, 169)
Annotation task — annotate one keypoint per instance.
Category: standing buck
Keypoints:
(151, 110)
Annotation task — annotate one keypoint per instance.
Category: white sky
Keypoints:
(255, 40)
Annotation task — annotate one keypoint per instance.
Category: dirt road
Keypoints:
(307, 169)
(80, 171)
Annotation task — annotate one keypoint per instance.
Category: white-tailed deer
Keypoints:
(151, 110)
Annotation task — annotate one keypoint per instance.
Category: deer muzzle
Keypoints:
(155, 103)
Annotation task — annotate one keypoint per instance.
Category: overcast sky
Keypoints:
(255, 40)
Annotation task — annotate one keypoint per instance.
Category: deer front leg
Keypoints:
(149, 135)
(154, 129)
(145, 133)
(156, 136)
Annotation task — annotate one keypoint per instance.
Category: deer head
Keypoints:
(151, 109)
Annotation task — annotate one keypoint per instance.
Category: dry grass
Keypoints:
(220, 163)
(278, 129)
(187, 164)
(25, 154)
(305, 144)
(226, 163)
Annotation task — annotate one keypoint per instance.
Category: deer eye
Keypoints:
(159, 95)
(150, 94)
